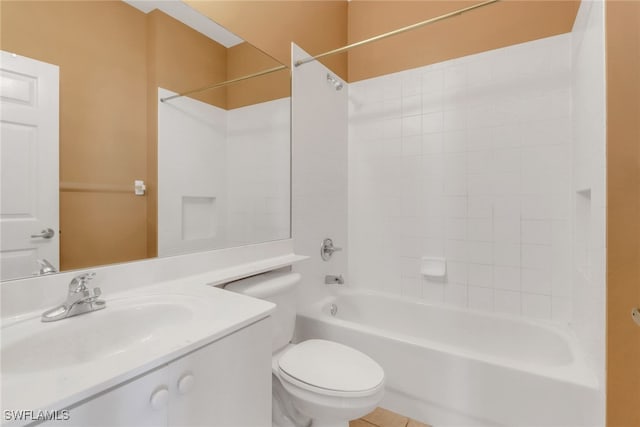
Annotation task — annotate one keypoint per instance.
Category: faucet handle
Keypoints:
(327, 249)
(91, 295)
(45, 267)
(79, 283)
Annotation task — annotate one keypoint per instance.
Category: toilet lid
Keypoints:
(331, 366)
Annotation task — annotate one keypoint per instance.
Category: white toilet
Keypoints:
(317, 382)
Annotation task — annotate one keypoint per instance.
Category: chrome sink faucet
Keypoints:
(80, 299)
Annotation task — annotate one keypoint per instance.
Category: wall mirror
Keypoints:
(97, 170)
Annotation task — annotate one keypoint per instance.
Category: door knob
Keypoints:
(635, 314)
(47, 233)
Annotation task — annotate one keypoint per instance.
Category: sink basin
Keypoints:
(53, 365)
(32, 346)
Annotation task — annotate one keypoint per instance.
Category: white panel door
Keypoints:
(29, 133)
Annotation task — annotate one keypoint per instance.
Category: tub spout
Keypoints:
(333, 280)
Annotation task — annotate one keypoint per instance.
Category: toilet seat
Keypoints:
(331, 369)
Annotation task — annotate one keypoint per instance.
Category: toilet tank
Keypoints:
(280, 289)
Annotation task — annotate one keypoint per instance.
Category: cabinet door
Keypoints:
(139, 402)
(226, 383)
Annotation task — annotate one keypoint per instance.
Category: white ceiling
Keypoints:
(188, 16)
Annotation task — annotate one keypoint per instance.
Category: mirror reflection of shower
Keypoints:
(337, 84)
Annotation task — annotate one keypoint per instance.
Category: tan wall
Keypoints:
(184, 59)
(244, 59)
(317, 26)
(152, 145)
(497, 25)
(623, 211)
(102, 117)
(106, 230)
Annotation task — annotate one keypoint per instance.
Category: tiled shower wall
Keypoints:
(258, 176)
(238, 159)
(589, 180)
(469, 160)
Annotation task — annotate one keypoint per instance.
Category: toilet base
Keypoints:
(286, 422)
(319, 423)
(296, 404)
(286, 414)
(283, 413)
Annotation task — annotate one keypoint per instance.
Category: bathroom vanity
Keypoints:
(165, 354)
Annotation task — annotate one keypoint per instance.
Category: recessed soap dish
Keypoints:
(433, 267)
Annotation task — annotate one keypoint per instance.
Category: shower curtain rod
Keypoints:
(336, 51)
(393, 33)
(228, 82)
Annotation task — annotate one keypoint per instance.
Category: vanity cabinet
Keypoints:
(128, 404)
(226, 383)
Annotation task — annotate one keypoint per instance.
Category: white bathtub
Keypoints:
(452, 367)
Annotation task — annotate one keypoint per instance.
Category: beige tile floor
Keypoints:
(384, 418)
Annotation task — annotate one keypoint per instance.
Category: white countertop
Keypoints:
(32, 385)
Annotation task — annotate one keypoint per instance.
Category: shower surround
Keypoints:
(493, 161)
(470, 160)
(233, 188)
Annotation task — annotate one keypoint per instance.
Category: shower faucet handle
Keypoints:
(327, 249)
